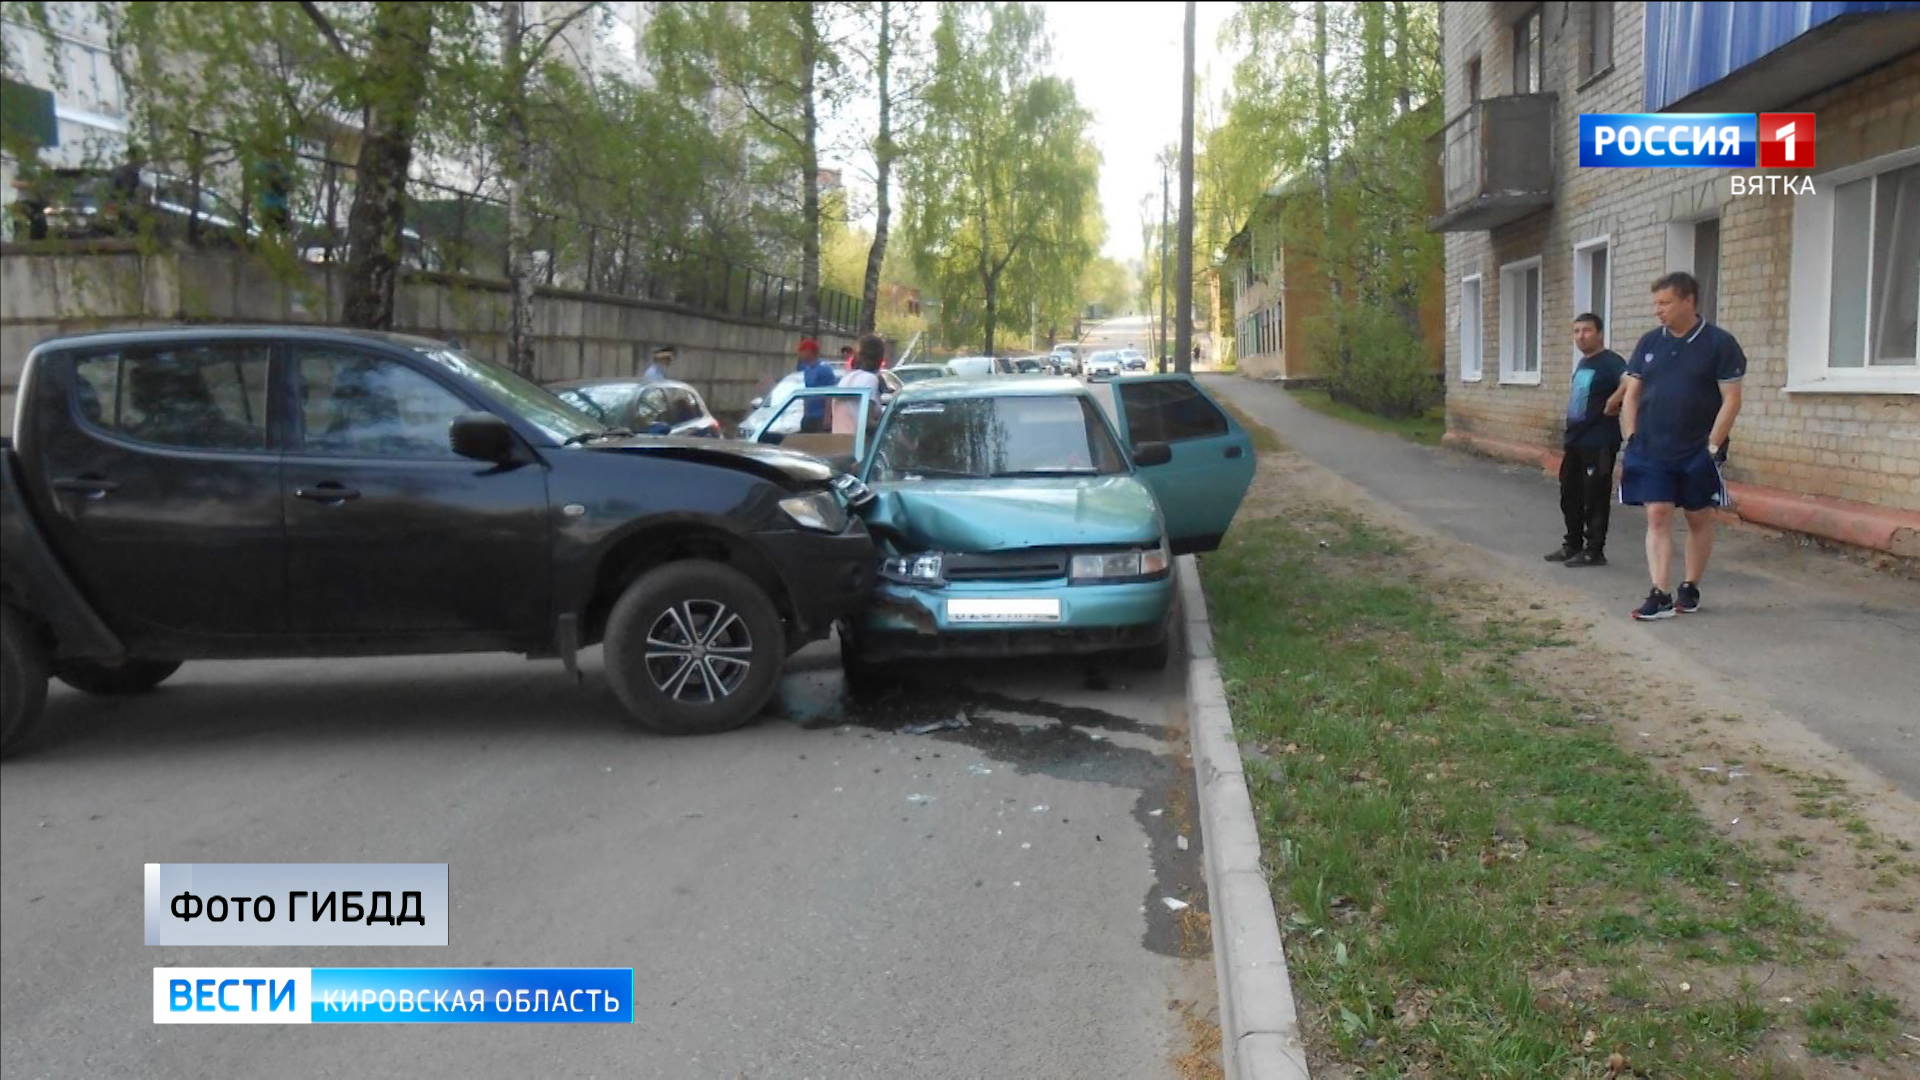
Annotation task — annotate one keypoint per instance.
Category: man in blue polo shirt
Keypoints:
(815, 375)
(1683, 393)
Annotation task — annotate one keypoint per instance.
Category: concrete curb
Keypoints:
(1259, 1029)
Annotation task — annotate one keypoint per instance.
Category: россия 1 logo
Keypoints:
(1696, 140)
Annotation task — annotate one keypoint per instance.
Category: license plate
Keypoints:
(1003, 611)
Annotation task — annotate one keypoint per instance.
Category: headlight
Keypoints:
(1120, 564)
(820, 512)
(913, 570)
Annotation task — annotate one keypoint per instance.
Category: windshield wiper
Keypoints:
(589, 436)
(1015, 473)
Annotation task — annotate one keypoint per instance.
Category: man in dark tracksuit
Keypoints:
(1592, 441)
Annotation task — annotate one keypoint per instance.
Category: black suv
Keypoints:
(185, 494)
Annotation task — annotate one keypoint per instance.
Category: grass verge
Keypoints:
(1473, 881)
(1425, 429)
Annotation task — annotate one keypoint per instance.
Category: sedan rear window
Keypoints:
(984, 437)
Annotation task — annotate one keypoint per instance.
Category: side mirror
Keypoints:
(483, 437)
(1147, 455)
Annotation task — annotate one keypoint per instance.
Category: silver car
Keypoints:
(644, 408)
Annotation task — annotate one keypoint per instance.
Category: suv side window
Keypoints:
(1170, 412)
(190, 397)
(358, 405)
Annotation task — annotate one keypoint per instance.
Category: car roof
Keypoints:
(624, 380)
(955, 389)
(163, 334)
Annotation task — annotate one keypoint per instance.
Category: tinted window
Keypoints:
(532, 403)
(996, 436)
(357, 405)
(1169, 412)
(682, 406)
(607, 404)
(197, 397)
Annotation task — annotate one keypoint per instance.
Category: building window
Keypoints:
(1854, 319)
(1599, 31)
(1526, 54)
(1706, 266)
(1520, 322)
(1875, 298)
(1593, 283)
(1473, 80)
(1473, 321)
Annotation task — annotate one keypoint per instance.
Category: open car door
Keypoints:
(828, 422)
(1200, 488)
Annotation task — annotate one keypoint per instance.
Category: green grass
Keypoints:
(1425, 429)
(1443, 840)
(1264, 440)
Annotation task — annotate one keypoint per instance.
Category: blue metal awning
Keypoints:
(1693, 46)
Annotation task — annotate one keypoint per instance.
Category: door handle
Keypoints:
(1233, 451)
(91, 487)
(328, 492)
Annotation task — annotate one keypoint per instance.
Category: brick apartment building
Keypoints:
(1822, 289)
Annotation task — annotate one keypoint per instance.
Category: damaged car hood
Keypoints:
(770, 461)
(999, 515)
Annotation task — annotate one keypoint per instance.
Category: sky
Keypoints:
(1125, 61)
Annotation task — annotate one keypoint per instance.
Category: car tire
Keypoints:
(131, 677)
(861, 675)
(23, 680)
(696, 606)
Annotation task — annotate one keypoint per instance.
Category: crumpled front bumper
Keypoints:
(906, 621)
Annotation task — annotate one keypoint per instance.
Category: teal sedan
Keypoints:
(1033, 516)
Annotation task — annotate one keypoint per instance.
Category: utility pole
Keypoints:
(1183, 310)
(1160, 328)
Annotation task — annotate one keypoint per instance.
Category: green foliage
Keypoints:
(1000, 189)
(1353, 168)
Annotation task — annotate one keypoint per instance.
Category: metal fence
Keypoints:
(465, 232)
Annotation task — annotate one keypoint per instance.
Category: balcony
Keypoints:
(1713, 57)
(1496, 163)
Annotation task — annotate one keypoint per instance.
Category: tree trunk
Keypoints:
(1403, 56)
(396, 69)
(992, 284)
(810, 166)
(1183, 300)
(513, 30)
(883, 163)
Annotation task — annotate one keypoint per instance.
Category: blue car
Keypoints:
(1033, 516)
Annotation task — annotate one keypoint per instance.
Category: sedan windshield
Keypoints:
(986, 437)
(533, 403)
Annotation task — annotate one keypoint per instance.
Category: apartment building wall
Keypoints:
(1799, 432)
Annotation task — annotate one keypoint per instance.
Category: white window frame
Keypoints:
(1810, 303)
(1509, 374)
(1583, 286)
(1473, 368)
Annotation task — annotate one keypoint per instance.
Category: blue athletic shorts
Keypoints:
(1691, 483)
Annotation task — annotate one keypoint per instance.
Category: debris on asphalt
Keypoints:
(692, 814)
(953, 724)
(1041, 809)
(919, 800)
(979, 770)
(1180, 842)
(1096, 738)
(1026, 847)
(1172, 904)
(1155, 813)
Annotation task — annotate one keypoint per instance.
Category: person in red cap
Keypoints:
(816, 374)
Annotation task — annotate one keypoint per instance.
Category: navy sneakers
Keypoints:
(1689, 600)
(1658, 605)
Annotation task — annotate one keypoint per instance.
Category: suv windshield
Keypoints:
(984, 437)
(535, 404)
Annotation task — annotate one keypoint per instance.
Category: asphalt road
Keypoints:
(789, 908)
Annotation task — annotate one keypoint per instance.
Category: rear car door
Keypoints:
(1200, 489)
(388, 530)
(162, 473)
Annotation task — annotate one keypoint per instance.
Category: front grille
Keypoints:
(1007, 566)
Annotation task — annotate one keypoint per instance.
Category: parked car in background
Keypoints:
(81, 204)
(187, 493)
(913, 373)
(1068, 357)
(644, 408)
(1018, 517)
(1032, 365)
(1103, 365)
(1133, 360)
(971, 367)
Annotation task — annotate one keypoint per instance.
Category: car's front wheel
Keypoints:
(694, 648)
(23, 680)
(120, 680)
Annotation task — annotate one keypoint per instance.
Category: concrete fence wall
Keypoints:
(46, 291)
